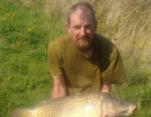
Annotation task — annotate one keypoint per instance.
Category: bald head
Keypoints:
(85, 8)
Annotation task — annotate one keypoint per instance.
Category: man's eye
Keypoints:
(88, 26)
(77, 27)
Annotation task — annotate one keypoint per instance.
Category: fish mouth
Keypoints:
(133, 109)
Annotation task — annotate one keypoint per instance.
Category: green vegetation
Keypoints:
(26, 26)
(24, 35)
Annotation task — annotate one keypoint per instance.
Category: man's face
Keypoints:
(81, 28)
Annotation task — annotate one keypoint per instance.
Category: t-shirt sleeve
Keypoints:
(54, 59)
(115, 73)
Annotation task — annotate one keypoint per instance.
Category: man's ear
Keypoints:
(96, 23)
(68, 27)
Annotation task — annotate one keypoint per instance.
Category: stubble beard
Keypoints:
(84, 43)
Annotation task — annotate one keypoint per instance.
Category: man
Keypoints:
(83, 61)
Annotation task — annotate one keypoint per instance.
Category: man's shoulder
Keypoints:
(104, 43)
(103, 40)
(59, 43)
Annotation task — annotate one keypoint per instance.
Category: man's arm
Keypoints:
(59, 88)
(115, 73)
(106, 88)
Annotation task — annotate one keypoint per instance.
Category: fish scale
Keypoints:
(88, 105)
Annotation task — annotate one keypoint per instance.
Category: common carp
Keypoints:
(84, 105)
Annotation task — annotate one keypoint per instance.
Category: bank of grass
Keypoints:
(25, 31)
(24, 35)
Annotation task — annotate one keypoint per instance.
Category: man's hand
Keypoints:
(106, 88)
(59, 88)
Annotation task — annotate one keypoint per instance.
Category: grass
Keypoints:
(24, 36)
(25, 30)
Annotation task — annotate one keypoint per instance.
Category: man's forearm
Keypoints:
(59, 88)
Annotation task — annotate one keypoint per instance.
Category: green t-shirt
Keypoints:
(82, 74)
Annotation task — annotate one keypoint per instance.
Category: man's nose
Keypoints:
(83, 31)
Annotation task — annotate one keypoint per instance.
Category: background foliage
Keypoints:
(26, 27)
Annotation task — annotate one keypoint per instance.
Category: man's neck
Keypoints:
(87, 52)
